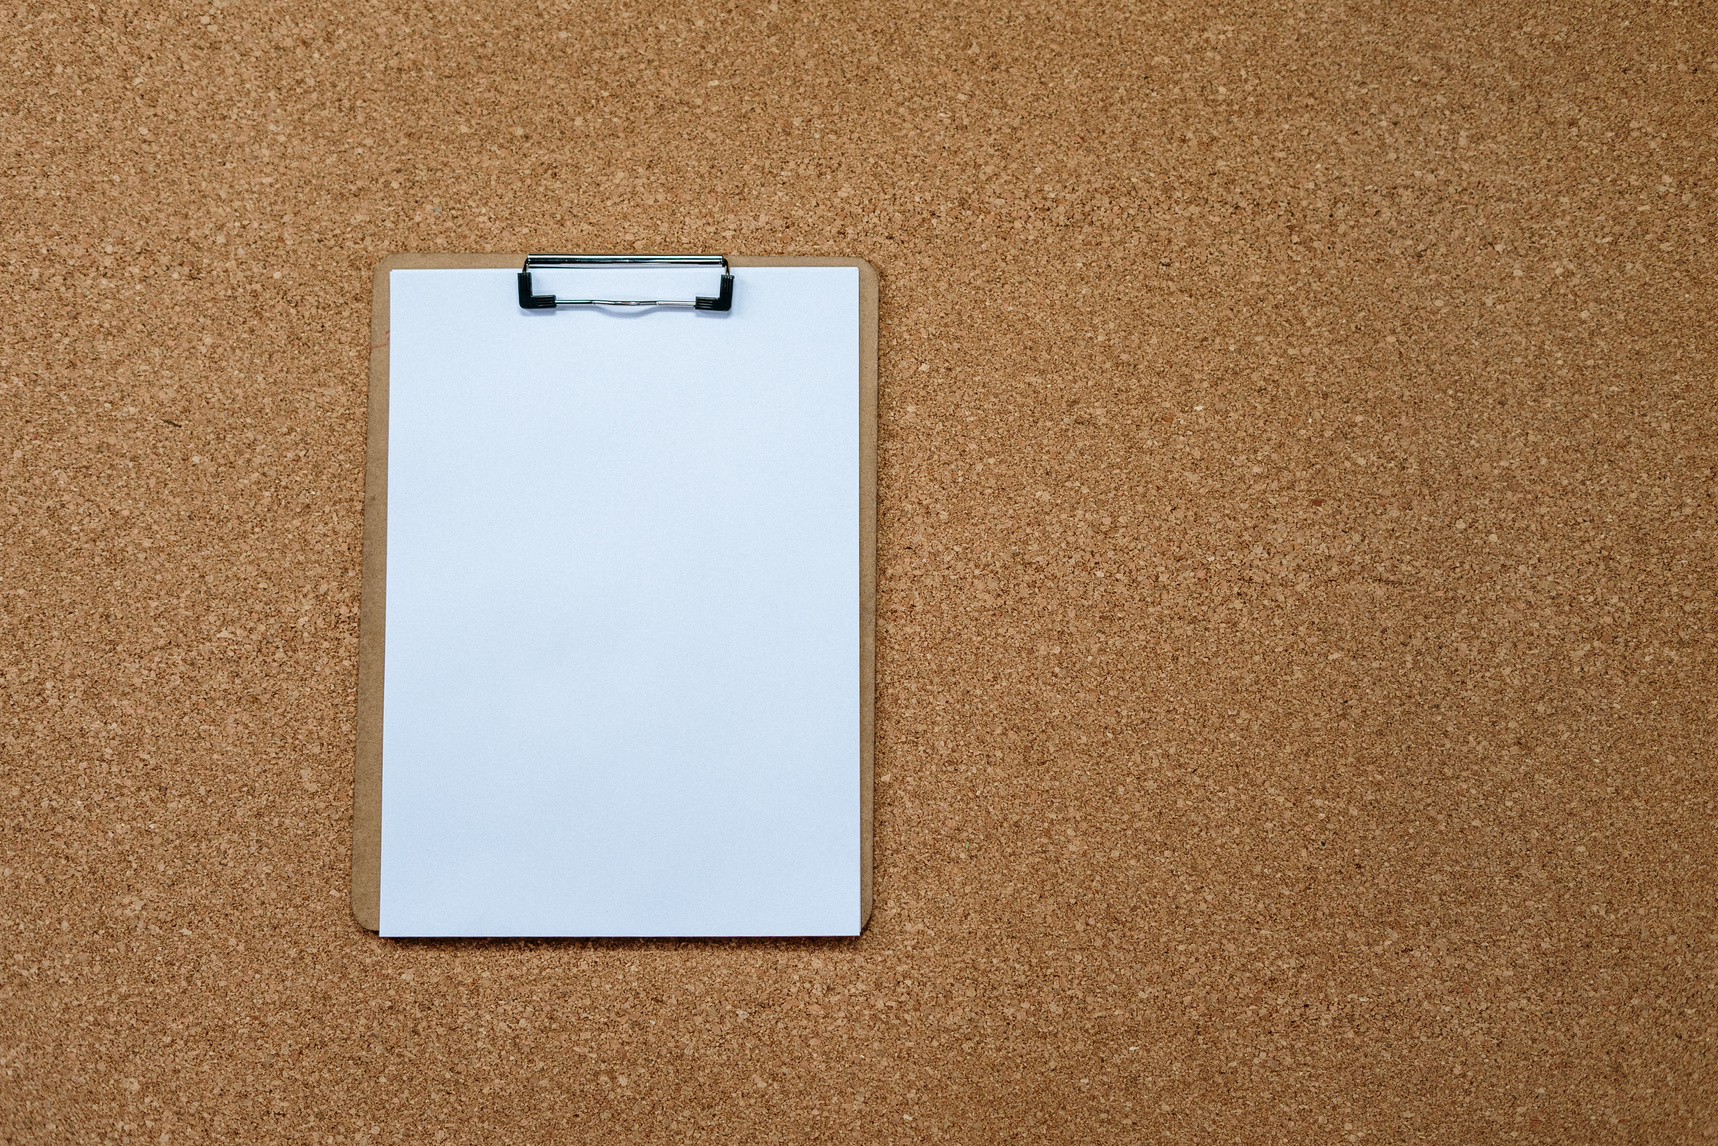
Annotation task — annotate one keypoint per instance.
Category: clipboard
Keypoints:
(535, 276)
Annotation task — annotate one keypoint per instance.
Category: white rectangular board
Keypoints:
(622, 650)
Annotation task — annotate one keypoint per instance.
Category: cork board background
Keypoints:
(1295, 655)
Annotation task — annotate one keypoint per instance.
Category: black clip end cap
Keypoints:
(529, 301)
(724, 299)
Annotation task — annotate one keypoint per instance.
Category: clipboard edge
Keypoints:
(366, 889)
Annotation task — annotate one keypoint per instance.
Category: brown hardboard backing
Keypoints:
(367, 772)
(1296, 546)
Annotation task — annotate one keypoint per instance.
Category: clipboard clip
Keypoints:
(722, 300)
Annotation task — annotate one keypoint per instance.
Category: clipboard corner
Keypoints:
(366, 911)
(395, 260)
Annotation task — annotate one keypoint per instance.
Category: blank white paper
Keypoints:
(621, 688)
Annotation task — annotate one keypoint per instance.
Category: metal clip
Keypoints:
(722, 300)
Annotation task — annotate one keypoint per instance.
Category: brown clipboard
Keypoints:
(367, 773)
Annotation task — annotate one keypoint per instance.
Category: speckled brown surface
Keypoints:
(1295, 652)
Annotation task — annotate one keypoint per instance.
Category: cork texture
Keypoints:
(1295, 711)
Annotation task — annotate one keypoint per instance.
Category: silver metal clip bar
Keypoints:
(722, 300)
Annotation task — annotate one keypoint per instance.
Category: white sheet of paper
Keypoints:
(622, 634)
